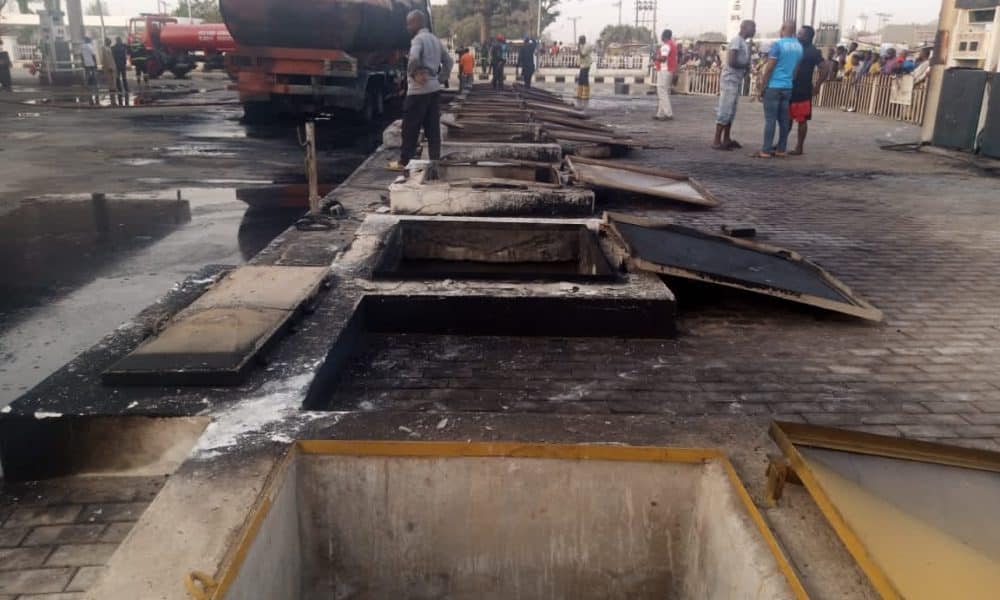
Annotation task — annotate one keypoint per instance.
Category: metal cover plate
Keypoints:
(692, 254)
(640, 180)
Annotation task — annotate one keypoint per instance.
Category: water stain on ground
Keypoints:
(128, 99)
(50, 245)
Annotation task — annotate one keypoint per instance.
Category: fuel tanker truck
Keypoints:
(178, 47)
(301, 57)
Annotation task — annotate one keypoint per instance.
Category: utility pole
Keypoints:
(538, 33)
(840, 20)
(883, 18)
(619, 5)
(575, 19)
(100, 13)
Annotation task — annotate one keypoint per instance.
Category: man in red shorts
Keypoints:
(803, 90)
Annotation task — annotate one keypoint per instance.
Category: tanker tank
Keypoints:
(348, 25)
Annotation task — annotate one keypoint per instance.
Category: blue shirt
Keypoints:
(788, 52)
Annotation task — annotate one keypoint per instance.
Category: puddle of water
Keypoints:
(51, 244)
(162, 181)
(199, 150)
(141, 162)
(113, 100)
(72, 269)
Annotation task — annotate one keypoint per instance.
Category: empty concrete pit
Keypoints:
(492, 250)
(444, 520)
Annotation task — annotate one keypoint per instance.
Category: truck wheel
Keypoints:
(258, 112)
(374, 105)
(154, 68)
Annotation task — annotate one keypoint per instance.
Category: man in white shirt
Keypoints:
(666, 64)
(734, 71)
(89, 56)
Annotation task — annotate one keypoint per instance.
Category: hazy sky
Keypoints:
(690, 17)
(685, 17)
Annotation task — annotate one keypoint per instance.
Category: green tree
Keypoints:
(206, 10)
(513, 18)
(22, 6)
(625, 34)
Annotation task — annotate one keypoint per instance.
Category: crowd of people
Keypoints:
(789, 75)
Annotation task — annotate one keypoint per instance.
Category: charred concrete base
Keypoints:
(432, 525)
(474, 276)
(488, 188)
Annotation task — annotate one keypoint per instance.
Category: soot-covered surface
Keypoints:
(689, 249)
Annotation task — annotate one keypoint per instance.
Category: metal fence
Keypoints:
(881, 95)
(26, 52)
(874, 95)
(569, 59)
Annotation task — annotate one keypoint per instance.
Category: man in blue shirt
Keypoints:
(776, 85)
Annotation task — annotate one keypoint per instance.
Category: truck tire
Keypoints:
(373, 105)
(258, 112)
(154, 68)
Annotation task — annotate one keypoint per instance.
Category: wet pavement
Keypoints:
(180, 186)
(75, 269)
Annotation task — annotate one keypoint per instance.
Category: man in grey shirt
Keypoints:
(427, 68)
(733, 72)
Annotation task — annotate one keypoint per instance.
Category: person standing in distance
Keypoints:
(526, 61)
(586, 53)
(120, 53)
(89, 57)
(5, 65)
(803, 90)
(730, 84)
(666, 65)
(776, 90)
(427, 64)
(498, 60)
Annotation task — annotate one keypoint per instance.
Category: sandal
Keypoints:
(721, 147)
(761, 155)
(779, 154)
(734, 145)
(795, 153)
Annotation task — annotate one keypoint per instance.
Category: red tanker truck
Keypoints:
(300, 57)
(178, 47)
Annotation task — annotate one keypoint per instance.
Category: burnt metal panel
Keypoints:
(989, 139)
(692, 254)
(640, 180)
(958, 110)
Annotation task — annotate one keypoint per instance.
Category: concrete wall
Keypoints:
(388, 527)
(273, 565)
(725, 557)
(493, 528)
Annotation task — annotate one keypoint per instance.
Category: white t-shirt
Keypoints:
(662, 65)
(89, 56)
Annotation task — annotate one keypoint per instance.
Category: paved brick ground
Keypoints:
(57, 535)
(915, 234)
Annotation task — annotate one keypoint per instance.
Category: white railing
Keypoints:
(878, 95)
(26, 52)
(873, 95)
(569, 59)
